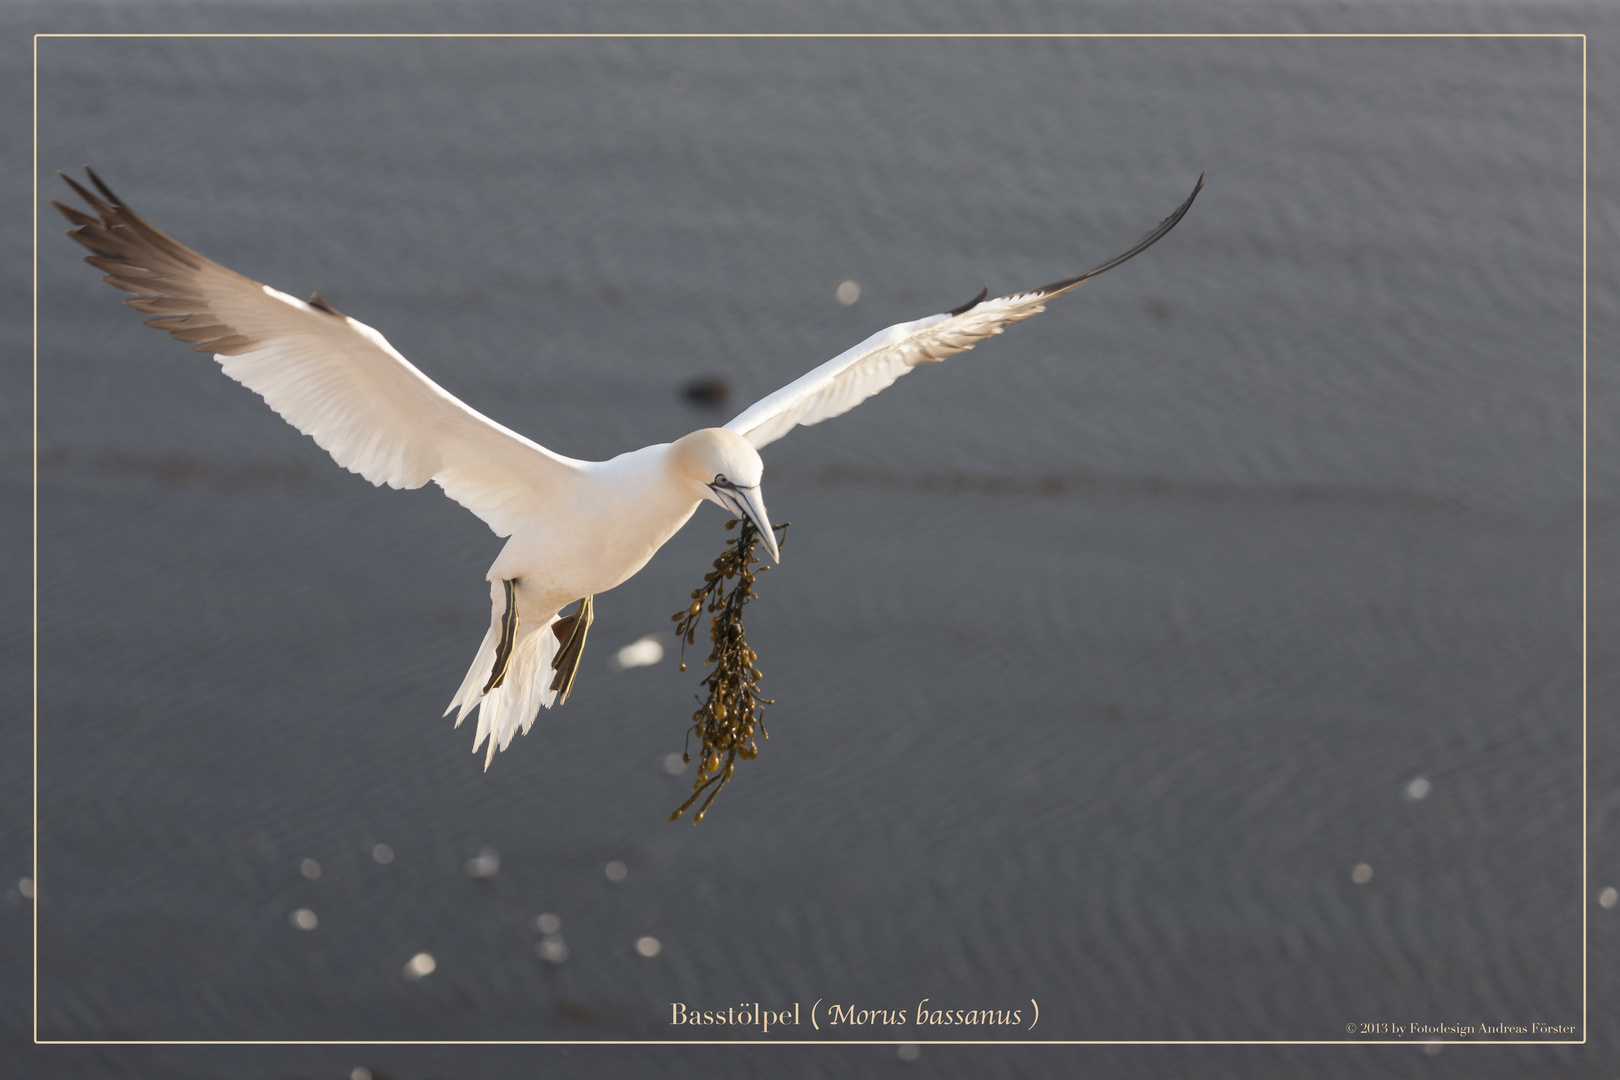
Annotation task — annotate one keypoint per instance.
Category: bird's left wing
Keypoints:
(851, 377)
(332, 377)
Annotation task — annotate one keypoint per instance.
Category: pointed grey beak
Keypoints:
(749, 503)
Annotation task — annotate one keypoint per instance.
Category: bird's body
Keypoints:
(601, 530)
(605, 528)
(574, 528)
(612, 520)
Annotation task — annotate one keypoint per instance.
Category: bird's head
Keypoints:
(725, 469)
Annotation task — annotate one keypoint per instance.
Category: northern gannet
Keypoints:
(574, 528)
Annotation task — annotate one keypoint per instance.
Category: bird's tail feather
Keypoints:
(516, 702)
(467, 697)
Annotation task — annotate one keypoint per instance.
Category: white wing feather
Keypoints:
(851, 377)
(332, 377)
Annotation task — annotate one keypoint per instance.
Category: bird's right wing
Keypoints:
(333, 378)
(851, 377)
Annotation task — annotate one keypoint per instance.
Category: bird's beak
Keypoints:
(754, 503)
(750, 503)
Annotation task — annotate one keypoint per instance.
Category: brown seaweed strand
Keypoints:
(727, 721)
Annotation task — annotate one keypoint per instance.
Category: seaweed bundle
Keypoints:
(727, 721)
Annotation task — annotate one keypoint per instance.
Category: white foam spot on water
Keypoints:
(648, 946)
(552, 950)
(310, 869)
(1608, 896)
(383, 854)
(616, 871)
(1419, 788)
(420, 965)
(548, 923)
(486, 865)
(643, 652)
(848, 292)
(910, 1051)
(26, 887)
(1361, 874)
(674, 764)
(360, 1072)
(304, 919)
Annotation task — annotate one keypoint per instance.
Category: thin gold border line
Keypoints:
(34, 556)
(1585, 583)
(810, 1042)
(958, 36)
(1586, 884)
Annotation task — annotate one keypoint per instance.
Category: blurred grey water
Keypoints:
(1104, 654)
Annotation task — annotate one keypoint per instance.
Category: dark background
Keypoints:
(1102, 653)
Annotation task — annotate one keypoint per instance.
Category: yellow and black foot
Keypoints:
(570, 631)
(509, 629)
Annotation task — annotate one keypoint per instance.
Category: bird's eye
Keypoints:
(720, 478)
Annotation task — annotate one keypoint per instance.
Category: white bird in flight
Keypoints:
(573, 528)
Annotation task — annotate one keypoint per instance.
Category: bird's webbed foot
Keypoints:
(509, 629)
(570, 631)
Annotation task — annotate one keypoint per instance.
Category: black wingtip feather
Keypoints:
(971, 304)
(77, 217)
(318, 304)
(1153, 236)
(106, 191)
(84, 193)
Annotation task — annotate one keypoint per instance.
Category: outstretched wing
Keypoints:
(331, 377)
(851, 377)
